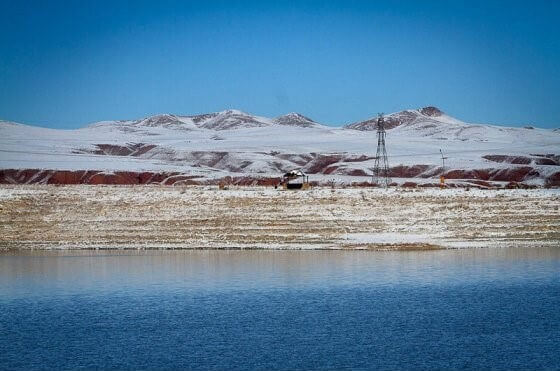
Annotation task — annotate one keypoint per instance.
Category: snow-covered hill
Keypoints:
(238, 144)
(431, 116)
(295, 119)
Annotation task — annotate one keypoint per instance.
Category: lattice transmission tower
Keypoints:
(381, 167)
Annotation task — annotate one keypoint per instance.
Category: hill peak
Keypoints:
(233, 119)
(230, 112)
(164, 119)
(431, 111)
(294, 119)
(406, 117)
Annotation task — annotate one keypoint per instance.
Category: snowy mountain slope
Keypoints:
(232, 143)
(224, 120)
(427, 116)
(233, 119)
(295, 119)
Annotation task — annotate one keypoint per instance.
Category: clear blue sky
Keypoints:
(68, 63)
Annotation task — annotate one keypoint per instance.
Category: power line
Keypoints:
(381, 167)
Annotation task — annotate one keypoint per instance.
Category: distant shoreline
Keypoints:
(196, 217)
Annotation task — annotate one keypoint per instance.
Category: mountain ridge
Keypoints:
(232, 119)
(428, 114)
(234, 143)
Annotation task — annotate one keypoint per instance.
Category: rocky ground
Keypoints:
(78, 217)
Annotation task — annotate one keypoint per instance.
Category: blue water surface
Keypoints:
(477, 309)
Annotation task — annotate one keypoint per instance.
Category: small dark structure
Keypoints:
(295, 179)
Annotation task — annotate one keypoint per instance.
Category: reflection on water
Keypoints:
(280, 309)
(78, 271)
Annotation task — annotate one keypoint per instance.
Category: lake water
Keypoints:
(481, 308)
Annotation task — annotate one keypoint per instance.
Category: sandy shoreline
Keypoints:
(195, 217)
